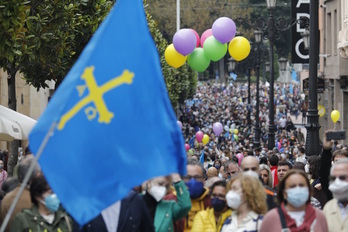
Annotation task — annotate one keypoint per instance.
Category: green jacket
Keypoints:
(169, 211)
(30, 220)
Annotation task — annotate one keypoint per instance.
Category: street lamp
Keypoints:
(313, 126)
(271, 30)
(267, 66)
(258, 38)
(271, 128)
(305, 36)
(231, 64)
(282, 63)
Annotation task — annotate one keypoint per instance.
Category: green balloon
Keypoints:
(214, 49)
(198, 61)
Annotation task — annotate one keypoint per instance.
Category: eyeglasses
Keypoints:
(220, 196)
(197, 178)
(343, 178)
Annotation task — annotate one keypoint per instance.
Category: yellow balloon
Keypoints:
(239, 48)
(174, 58)
(205, 139)
(321, 110)
(235, 131)
(335, 115)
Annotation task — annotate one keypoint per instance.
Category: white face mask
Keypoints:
(252, 174)
(339, 190)
(233, 199)
(157, 192)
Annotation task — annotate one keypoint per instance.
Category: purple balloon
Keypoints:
(184, 41)
(217, 128)
(179, 124)
(224, 29)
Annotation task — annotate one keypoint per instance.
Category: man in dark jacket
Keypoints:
(130, 214)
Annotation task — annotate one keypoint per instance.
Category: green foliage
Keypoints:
(12, 32)
(45, 37)
(196, 14)
(181, 83)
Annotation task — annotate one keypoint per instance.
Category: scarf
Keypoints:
(308, 220)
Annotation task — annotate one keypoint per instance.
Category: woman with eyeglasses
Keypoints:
(212, 218)
(295, 212)
(247, 198)
(162, 212)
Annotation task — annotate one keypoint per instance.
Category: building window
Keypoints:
(335, 33)
(328, 34)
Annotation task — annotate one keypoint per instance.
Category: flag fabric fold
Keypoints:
(116, 127)
(201, 158)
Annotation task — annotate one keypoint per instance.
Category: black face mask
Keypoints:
(217, 204)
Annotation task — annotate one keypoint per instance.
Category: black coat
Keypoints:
(134, 217)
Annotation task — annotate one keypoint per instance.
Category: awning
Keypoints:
(14, 125)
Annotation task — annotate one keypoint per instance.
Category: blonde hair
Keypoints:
(253, 192)
(270, 177)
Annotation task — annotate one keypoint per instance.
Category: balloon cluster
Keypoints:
(212, 46)
(204, 138)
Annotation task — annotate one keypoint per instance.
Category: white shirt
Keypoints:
(251, 222)
(111, 216)
(298, 216)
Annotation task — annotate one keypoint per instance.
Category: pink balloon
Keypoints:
(199, 136)
(205, 35)
(187, 147)
(197, 37)
(240, 157)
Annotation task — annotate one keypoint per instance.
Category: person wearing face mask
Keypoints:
(200, 199)
(162, 212)
(250, 166)
(212, 218)
(45, 214)
(295, 213)
(247, 199)
(336, 210)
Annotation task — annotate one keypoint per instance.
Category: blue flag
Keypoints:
(192, 142)
(114, 126)
(201, 158)
(291, 90)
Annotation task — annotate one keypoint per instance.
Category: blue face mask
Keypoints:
(195, 188)
(52, 202)
(217, 166)
(297, 196)
(1, 166)
(218, 204)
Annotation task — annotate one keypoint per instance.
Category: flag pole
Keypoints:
(27, 176)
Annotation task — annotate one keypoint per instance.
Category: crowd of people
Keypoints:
(232, 183)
